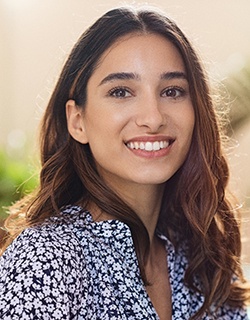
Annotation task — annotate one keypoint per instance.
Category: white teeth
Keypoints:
(148, 146)
(156, 145)
(141, 146)
(165, 144)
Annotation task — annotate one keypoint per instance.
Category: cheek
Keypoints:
(101, 114)
(186, 123)
(185, 120)
(190, 122)
(188, 118)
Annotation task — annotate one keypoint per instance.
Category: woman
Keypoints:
(131, 220)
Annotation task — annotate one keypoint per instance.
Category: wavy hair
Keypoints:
(194, 209)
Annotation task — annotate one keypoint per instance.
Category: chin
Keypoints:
(153, 181)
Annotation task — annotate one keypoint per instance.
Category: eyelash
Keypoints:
(182, 92)
(124, 90)
(114, 91)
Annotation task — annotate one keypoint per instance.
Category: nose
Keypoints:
(150, 114)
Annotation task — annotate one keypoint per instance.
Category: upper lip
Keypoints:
(151, 139)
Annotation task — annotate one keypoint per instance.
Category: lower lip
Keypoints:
(152, 154)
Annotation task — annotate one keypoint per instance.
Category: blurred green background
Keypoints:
(17, 178)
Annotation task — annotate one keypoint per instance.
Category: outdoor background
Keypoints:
(36, 37)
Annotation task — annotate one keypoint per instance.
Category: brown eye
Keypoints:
(173, 92)
(120, 93)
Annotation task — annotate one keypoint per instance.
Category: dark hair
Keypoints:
(194, 209)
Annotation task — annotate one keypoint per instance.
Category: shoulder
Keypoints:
(44, 266)
(52, 243)
(56, 235)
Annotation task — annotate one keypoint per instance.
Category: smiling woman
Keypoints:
(131, 220)
(145, 102)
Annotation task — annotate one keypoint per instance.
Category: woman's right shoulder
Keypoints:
(44, 263)
(55, 238)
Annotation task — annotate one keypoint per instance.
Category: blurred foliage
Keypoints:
(238, 88)
(17, 178)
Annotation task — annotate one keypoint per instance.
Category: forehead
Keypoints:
(139, 50)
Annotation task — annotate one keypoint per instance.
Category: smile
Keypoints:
(148, 146)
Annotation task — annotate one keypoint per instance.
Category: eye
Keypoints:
(120, 92)
(173, 92)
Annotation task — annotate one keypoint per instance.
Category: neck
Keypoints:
(146, 202)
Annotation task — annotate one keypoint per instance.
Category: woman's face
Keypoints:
(138, 118)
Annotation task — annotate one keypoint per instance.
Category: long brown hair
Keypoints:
(194, 208)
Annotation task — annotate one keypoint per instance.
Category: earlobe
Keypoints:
(75, 122)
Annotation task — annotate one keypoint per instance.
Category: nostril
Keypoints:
(152, 120)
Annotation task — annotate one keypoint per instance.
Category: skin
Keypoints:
(138, 94)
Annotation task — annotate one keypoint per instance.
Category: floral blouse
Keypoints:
(74, 268)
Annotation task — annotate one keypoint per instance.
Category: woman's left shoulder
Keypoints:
(227, 312)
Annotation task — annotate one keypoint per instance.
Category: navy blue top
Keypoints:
(74, 268)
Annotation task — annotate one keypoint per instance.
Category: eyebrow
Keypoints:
(173, 75)
(120, 76)
(134, 76)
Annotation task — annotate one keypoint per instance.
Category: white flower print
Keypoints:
(72, 268)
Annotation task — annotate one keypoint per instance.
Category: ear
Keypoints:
(75, 122)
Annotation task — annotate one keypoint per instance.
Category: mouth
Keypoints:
(149, 146)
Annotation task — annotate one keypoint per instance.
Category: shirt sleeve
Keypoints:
(43, 276)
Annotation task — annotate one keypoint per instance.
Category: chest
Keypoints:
(115, 289)
(161, 297)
